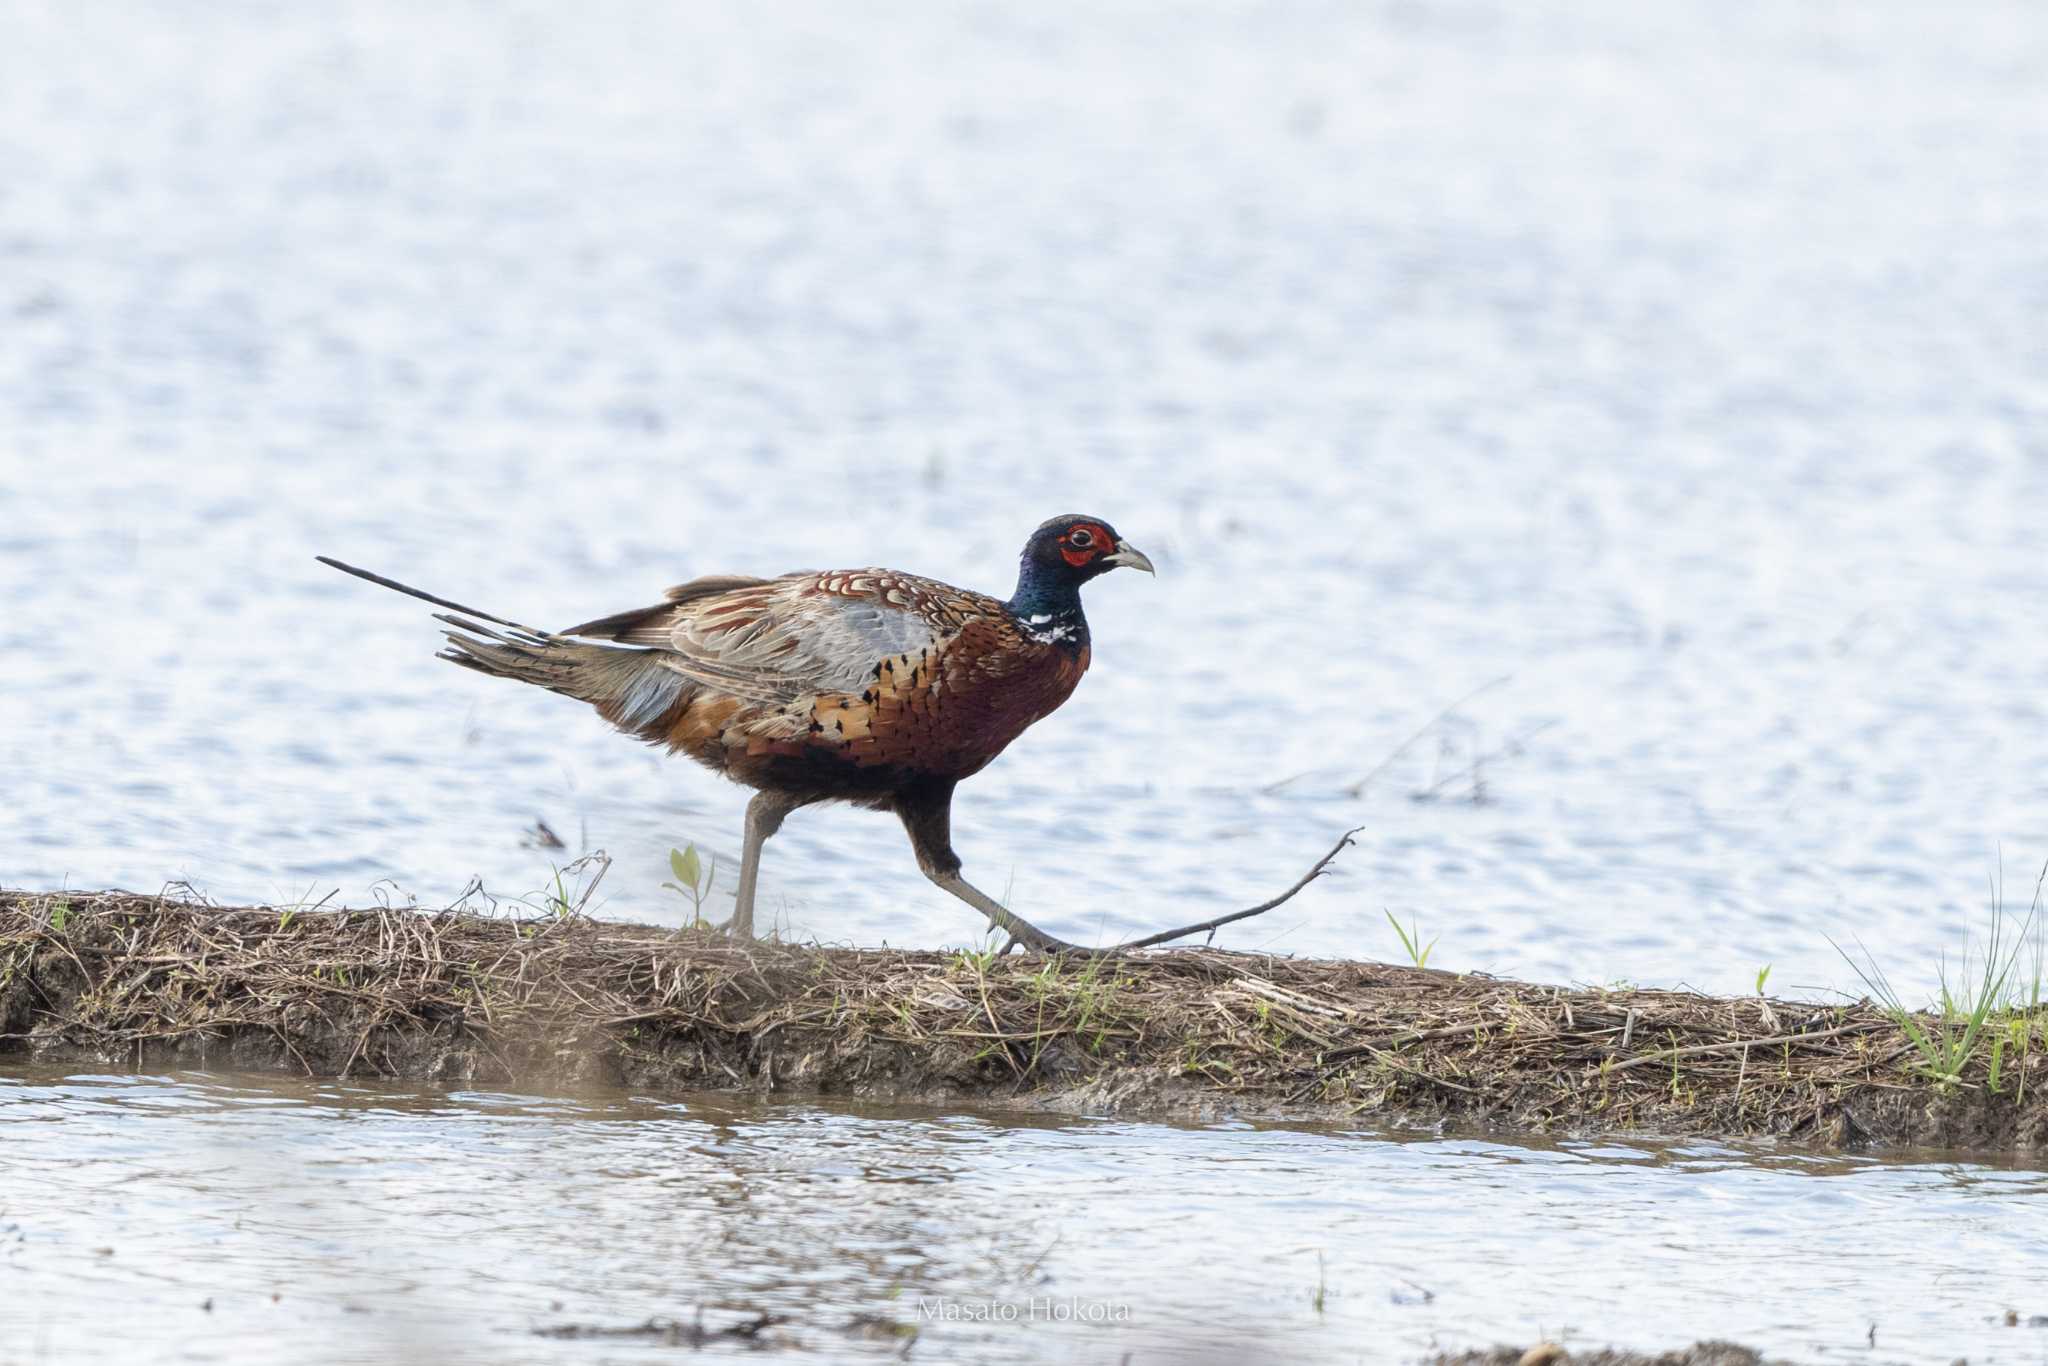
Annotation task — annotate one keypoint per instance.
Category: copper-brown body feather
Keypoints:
(790, 684)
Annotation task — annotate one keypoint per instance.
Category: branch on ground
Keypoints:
(1209, 927)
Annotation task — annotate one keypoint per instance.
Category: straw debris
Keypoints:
(537, 1003)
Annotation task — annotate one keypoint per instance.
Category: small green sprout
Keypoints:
(693, 879)
(559, 903)
(1411, 941)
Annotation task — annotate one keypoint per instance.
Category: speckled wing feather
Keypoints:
(774, 641)
(869, 667)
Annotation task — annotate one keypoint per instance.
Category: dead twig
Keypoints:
(1693, 1049)
(1321, 865)
(1477, 767)
(1357, 789)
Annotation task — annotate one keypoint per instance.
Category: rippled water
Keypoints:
(371, 1223)
(1685, 363)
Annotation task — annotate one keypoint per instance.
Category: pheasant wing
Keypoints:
(775, 641)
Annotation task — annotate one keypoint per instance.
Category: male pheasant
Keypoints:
(862, 685)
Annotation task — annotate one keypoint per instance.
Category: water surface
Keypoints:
(1682, 365)
(1685, 365)
(238, 1216)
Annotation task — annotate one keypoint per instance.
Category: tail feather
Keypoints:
(395, 586)
(634, 689)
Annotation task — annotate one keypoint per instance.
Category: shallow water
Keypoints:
(1685, 364)
(358, 1223)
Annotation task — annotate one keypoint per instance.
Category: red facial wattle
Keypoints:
(1078, 555)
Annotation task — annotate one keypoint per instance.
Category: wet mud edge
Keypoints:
(533, 1004)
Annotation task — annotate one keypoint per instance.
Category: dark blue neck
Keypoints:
(1047, 598)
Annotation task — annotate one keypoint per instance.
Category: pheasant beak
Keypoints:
(1131, 557)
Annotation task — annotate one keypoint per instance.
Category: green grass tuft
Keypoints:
(1994, 1006)
(1411, 941)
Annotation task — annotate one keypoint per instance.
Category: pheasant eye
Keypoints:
(1080, 538)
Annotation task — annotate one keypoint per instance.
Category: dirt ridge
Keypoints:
(457, 996)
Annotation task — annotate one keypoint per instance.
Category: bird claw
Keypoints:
(1034, 940)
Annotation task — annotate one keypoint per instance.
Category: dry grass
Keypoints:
(555, 1000)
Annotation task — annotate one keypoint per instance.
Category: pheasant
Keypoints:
(868, 686)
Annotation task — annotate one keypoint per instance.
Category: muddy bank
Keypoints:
(538, 1003)
(1548, 1354)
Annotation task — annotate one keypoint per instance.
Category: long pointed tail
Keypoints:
(631, 688)
(395, 586)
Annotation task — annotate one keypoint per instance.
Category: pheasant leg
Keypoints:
(927, 816)
(764, 818)
(1020, 930)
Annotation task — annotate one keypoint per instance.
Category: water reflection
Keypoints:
(361, 1221)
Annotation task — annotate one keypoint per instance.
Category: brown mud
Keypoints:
(1549, 1354)
(538, 1003)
